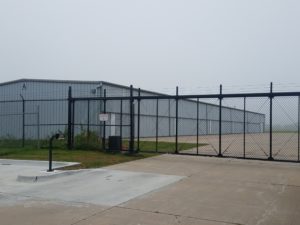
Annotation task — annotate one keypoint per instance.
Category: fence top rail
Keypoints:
(187, 97)
(219, 96)
(34, 100)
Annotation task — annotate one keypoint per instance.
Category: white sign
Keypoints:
(103, 117)
(113, 123)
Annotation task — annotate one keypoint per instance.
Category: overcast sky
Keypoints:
(155, 44)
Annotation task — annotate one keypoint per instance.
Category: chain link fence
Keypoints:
(251, 126)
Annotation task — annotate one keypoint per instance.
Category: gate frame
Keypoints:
(177, 97)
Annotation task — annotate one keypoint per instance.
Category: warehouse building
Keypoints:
(34, 108)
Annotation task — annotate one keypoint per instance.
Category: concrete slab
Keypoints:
(11, 169)
(40, 176)
(228, 190)
(96, 186)
(213, 191)
(33, 211)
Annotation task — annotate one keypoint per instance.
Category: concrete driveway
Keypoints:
(184, 190)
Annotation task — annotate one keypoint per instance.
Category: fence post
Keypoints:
(231, 122)
(169, 115)
(176, 121)
(73, 124)
(38, 126)
(298, 128)
(70, 118)
(271, 122)
(121, 119)
(244, 130)
(156, 127)
(131, 141)
(104, 123)
(139, 120)
(23, 121)
(197, 126)
(220, 122)
(88, 121)
(206, 119)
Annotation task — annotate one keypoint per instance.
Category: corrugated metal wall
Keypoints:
(50, 99)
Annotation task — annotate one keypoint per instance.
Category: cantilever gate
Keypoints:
(249, 125)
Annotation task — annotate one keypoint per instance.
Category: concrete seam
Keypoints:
(97, 213)
(176, 215)
(259, 182)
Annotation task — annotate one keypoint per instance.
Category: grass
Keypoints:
(284, 131)
(88, 158)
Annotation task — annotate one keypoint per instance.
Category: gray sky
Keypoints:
(155, 44)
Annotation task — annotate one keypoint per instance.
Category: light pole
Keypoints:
(55, 136)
